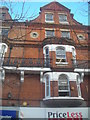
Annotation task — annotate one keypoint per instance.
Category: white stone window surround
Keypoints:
(34, 36)
(52, 47)
(49, 21)
(80, 35)
(55, 75)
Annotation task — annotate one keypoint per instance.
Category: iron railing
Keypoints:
(83, 64)
(41, 62)
(26, 62)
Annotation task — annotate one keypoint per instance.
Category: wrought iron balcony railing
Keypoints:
(26, 62)
(83, 64)
(41, 62)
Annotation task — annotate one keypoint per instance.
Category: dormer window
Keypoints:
(49, 17)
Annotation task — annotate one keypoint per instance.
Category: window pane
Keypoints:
(47, 86)
(49, 33)
(49, 17)
(63, 18)
(4, 32)
(2, 16)
(63, 86)
(47, 51)
(65, 34)
(60, 53)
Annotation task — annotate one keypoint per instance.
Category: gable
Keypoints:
(54, 6)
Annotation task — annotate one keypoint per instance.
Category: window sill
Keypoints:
(64, 23)
(61, 63)
(49, 21)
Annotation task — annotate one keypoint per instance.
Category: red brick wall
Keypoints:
(31, 90)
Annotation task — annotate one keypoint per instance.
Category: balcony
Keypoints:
(25, 62)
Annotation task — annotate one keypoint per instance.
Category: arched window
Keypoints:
(60, 54)
(63, 85)
(47, 86)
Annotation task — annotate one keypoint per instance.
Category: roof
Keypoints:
(56, 6)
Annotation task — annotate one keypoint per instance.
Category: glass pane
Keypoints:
(60, 53)
(49, 17)
(62, 18)
(49, 33)
(47, 51)
(66, 34)
(47, 85)
(5, 32)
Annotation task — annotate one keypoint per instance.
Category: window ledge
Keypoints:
(64, 22)
(66, 97)
(61, 63)
(49, 21)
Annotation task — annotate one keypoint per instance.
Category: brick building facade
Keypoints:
(46, 63)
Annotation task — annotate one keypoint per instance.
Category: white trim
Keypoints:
(77, 98)
(68, 30)
(55, 75)
(52, 47)
(81, 70)
(62, 63)
(64, 22)
(62, 13)
(27, 68)
(49, 28)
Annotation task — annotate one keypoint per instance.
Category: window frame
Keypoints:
(64, 35)
(62, 21)
(47, 86)
(49, 30)
(47, 20)
(62, 60)
(68, 85)
(2, 16)
(4, 32)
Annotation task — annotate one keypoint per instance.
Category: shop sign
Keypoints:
(4, 114)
